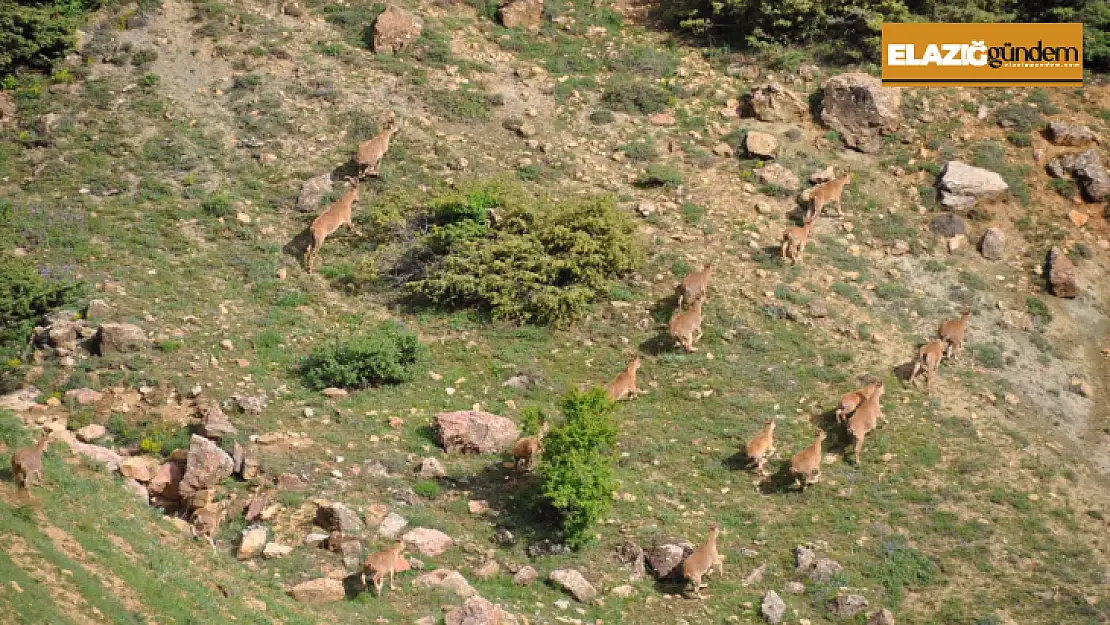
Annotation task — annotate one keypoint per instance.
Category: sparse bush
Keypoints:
(629, 94)
(577, 464)
(1020, 139)
(542, 262)
(1019, 117)
(462, 105)
(143, 57)
(387, 354)
(693, 213)
(163, 439)
(659, 176)
(602, 117)
(426, 489)
(1038, 308)
(640, 150)
(217, 205)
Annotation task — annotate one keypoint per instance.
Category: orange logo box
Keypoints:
(982, 55)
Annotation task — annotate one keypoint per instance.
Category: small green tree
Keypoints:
(387, 354)
(577, 464)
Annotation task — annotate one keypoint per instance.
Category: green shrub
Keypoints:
(461, 217)
(629, 94)
(1019, 117)
(467, 104)
(577, 464)
(426, 489)
(640, 150)
(1020, 139)
(387, 354)
(543, 262)
(217, 205)
(38, 33)
(27, 296)
(163, 439)
(659, 176)
(693, 213)
(602, 117)
(1038, 308)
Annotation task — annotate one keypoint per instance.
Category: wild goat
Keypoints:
(866, 418)
(928, 359)
(952, 333)
(694, 285)
(624, 385)
(850, 401)
(830, 192)
(794, 239)
(382, 563)
(206, 522)
(685, 327)
(762, 446)
(805, 466)
(527, 449)
(338, 214)
(371, 151)
(27, 463)
(704, 558)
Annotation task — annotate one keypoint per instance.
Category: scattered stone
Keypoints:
(292, 9)
(1065, 133)
(475, 611)
(84, 396)
(430, 468)
(119, 338)
(351, 553)
(250, 404)
(804, 559)
(1078, 218)
(662, 119)
(621, 592)
(779, 176)
(825, 175)
(519, 382)
(167, 481)
(275, 550)
(774, 103)
(724, 150)
(755, 577)
(795, 588)
(962, 186)
(395, 29)
(8, 110)
(1061, 274)
(213, 422)
(317, 591)
(525, 14)
(137, 489)
(336, 517)
(392, 525)
(573, 582)
(1087, 168)
(252, 468)
(487, 570)
(333, 392)
(899, 248)
(470, 431)
(824, 569)
(632, 555)
(993, 244)
(761, 145)
(948, 225)
(818, 309)
(207, 464)
(882, 617)
(504, 537)
(252, 543)
(478, 507)
(91, 432)
(773, 607)
(857, 106)
(97, 310)
(525, 576)
(665, 557)
(1079, 387)
(316, 539)
(446, 579)
(427, 542)
(313, 191)
(21, 400)
(139, 468)
(847, 606)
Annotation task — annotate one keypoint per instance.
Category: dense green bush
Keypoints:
(36, 33)
(27, 296)
(387, 354)
(538, 261)
(629, 94)
(577, 464)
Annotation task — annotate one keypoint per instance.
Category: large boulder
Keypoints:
(322, 590)
(475, 611)
(142, 469)
(313, 191)
(395, 29)
(1061, 274)
(962, 185)
(214, 423)
(336, 517)
(20, 400)
(470, 431)
(665, 556)
(1087, 169)
(761, 145)
(205, 466)
(847, 606)
(252, 542)
(95, 453)
(1066, 133)
(427, 542)
(521, 14)
(773, 607)
(774, 103)
(446, 579)
(120, 338)
(84, 396)
(993, 245)
(779, 176)
(857, 106)
(573, 582)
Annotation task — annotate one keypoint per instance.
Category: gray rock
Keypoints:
(252, 542)
(573, 582)
(847, 606)
(857, 106)
(475, 611)
(395, 29)
(779, 176)
(525, 576)
(213, 422)
(252, 404)
(430, 468)
(804, 558)
(446, 579)
(772, 102)
(632, 555)
(205, 466)
(317, 591)
(795, 588)
(962, 185)
(471, 431)
(97, 310)
(336, 517)
(824, 570)
(120, 338)
(313, 191)
(818, 309)
(521, 14)
(993, 244)
(666, 555)
(882, 617)
(1065, 133)
(761, 145)
(773, 607)
(948, 225)
(1087, 169)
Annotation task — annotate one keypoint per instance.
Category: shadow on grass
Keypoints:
(781, 481)
(517, 498)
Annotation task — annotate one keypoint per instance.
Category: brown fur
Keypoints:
(624, 385)
(928, 359)
(850, 401)
(866, 419)
(695, 285)
(762, 446)
(371, 151)
(526, 450)
(207, 521)
(830, 192)
(27, 463)
(794, 240)
(806, 464)
(338, 214)
(952, 333)
(382, 563)
(702, 561)
(685, 327)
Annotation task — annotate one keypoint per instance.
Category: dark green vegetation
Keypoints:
(386, 354)
(28, 295)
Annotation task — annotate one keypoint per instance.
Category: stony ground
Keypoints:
(166, 168)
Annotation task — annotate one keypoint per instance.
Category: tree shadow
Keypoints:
(738, 461)
(781, 481)
(903, 371)
(298, 245)
(516, 497)
(352, 586)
